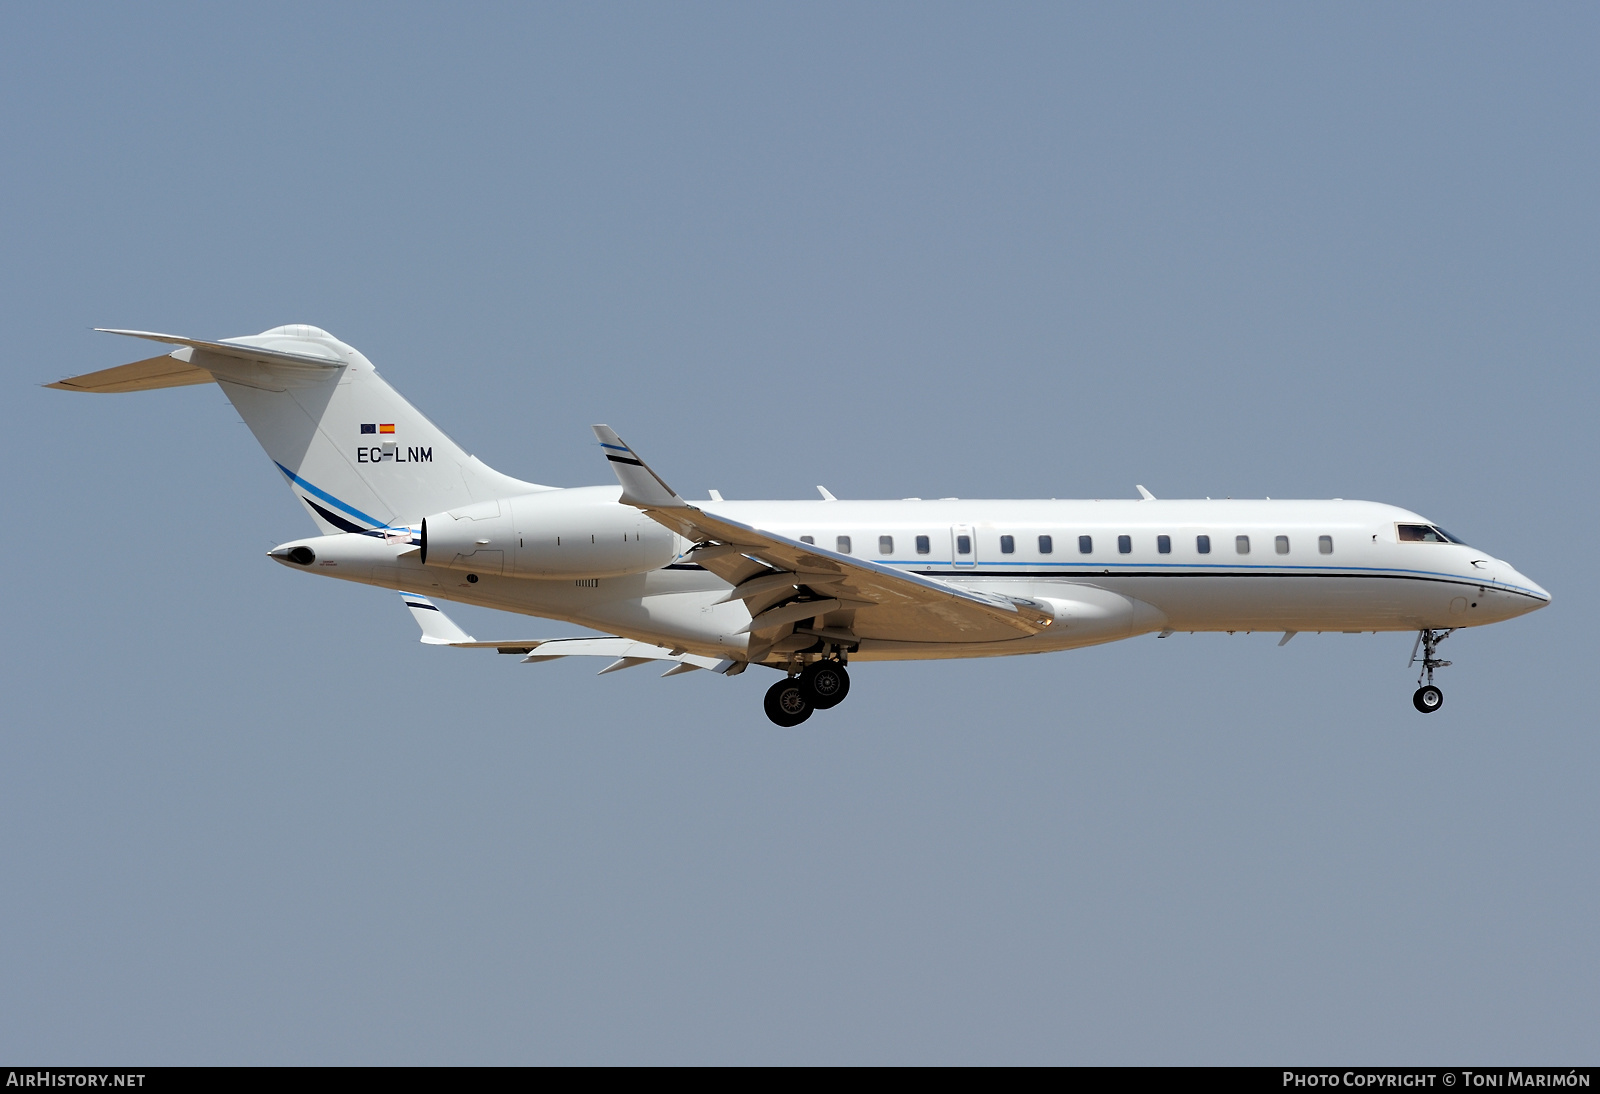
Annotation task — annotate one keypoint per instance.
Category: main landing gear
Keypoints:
(1428, 698)
(818, 686)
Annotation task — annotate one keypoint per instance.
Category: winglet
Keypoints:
(438, 629)
(640, 485)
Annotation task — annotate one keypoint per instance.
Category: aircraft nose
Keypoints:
(1531, 593)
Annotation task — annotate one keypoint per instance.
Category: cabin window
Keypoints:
(886, 545)
(1325, 545)
(1280, 544)
(1046, 545)
(1085, 544)
(844, 545)
(1124, 545)
(922, 545)
(963, 545)
(1164, 544)
(1202, 545)
(808, 539)
(1008, 546)
(1241, 544)
(1424, 533)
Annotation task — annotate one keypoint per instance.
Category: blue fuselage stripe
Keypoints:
(1213, 569)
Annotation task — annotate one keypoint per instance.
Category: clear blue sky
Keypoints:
(1285, 250)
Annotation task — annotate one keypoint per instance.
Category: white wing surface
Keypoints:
(439, 629)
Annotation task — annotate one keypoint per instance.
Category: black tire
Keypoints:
(787, 703)
(1428, 699)
(826, 683)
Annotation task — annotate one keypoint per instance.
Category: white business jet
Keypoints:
(803, 587)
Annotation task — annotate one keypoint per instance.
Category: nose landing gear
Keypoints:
(819, 686)
(1428, 698)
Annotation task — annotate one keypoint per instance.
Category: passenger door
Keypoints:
(963, 545)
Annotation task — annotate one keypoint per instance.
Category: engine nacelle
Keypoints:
(583, 532)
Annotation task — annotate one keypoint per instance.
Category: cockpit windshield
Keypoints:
(1425, 533)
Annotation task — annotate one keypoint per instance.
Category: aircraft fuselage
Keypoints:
(1200, 565)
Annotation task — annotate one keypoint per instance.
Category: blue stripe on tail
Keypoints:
(333, 501)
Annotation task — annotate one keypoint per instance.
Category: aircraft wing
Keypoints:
(439, 629)
(789, 585)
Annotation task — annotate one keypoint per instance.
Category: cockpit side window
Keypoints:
(1423, 533)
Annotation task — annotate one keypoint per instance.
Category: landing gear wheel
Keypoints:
(1428, 699)
(787, 703)
(826, 683)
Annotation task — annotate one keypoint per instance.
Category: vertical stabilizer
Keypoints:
(356, 454)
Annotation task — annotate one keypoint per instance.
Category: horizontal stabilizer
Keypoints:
(148, 375)
(308, 353)
(234, 359)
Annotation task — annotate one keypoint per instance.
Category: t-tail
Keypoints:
(355, 453)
